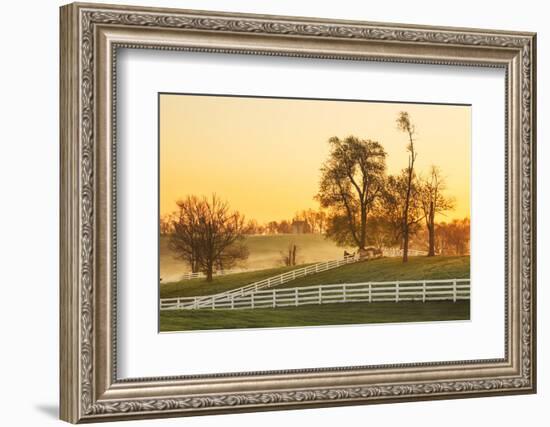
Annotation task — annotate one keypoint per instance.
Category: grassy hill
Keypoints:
(384, 269)
(390, 269)
(314, 315)
(187, 288)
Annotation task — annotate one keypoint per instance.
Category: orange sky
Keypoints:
(263, 155)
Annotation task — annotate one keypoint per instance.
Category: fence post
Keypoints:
(196, 303)
(213, 303)
(424, 291)
(252, 300)
(232, 301)
(454, 290)
(320, 295)
(397, 291)
(370, 292)
(296, 297)
(344, 292)
(274, 298)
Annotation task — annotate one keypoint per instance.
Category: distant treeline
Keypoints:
(451, 238)
(307, 221)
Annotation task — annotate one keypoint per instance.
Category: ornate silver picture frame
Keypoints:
(91, 390)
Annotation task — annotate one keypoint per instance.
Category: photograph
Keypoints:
(281, 212)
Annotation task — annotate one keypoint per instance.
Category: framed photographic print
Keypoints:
(263, 212)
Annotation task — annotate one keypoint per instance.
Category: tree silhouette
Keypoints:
(433, 202)
(352, 179)
(208, 235)
(404, 124)
(394, 206)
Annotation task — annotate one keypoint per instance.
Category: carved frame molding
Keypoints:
(90, 37)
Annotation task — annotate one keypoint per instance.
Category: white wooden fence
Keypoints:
(410, 290)
(209, 300)
(388, 252)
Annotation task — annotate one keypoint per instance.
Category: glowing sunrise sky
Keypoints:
(263, 155)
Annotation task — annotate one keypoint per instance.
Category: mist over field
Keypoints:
(265, 252)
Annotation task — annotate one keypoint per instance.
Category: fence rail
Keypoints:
(209, 300)
(388, 252)
(411, 290)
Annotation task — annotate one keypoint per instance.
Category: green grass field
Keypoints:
(314, 315)
(194, 287)
(390, 269)
(384, 269)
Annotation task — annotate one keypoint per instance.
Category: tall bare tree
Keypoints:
(352, 179)
(397, 195)
(404, 124)
(207, 234)
(434, 202)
